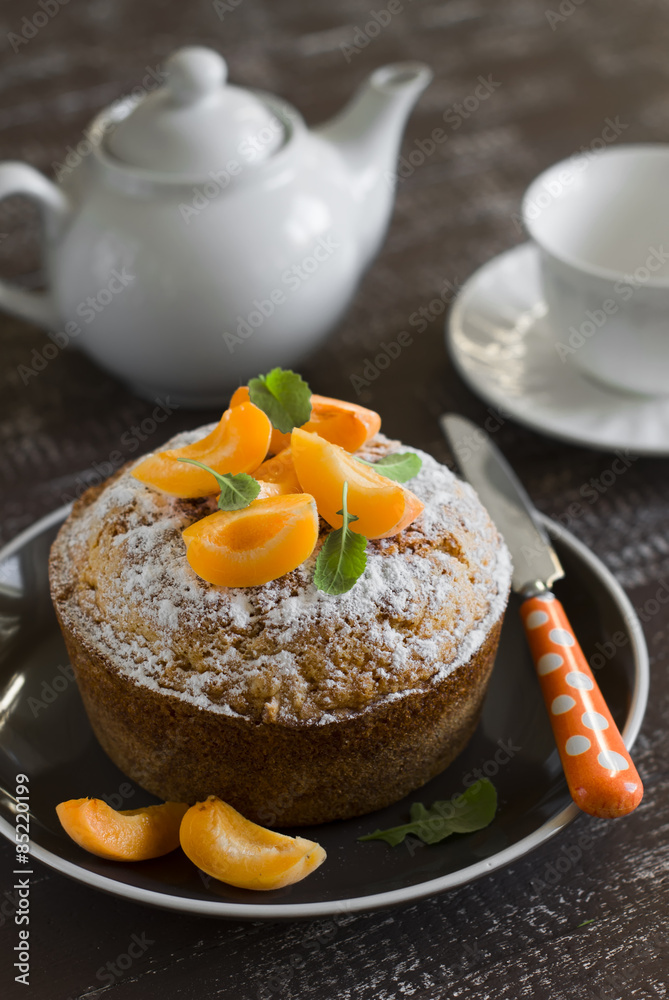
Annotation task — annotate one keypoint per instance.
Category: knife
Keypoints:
(600, 774)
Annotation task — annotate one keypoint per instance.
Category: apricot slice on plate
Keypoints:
(248, 547)
(238, 443)
(383, 507)
(128, 835)
(280, 471)
(336, 420)
(232, 849)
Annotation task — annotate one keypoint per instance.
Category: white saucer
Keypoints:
(497, 337)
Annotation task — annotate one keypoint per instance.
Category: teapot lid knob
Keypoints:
(193, 72)
(197, 122)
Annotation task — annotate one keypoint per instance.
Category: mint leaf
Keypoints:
(237, 491)
(399, 467)
(473, 810)
(342, 560)
(284, 396)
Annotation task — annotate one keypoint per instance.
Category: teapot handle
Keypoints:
(19, 178)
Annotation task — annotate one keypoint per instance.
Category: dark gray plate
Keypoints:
(44, 733)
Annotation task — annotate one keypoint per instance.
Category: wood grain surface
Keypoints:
(560, 69)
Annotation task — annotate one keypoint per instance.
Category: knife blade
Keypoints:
(483, 465)
(601, 776)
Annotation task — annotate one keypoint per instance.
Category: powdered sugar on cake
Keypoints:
(283, 651)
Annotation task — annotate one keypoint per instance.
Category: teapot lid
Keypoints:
(197, 122)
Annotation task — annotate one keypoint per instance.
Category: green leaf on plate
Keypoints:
(237, 491)
(284, 396)
(473, 810)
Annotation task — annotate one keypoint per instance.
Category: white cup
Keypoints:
(601, 223)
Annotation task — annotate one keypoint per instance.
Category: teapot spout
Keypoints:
(368, 134)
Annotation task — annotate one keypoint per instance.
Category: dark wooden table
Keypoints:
(563, 68)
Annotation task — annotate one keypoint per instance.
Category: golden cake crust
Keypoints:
(294, 705)
(283, 775)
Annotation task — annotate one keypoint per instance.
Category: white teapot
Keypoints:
(210, 235)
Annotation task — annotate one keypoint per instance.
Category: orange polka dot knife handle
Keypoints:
(602, 779)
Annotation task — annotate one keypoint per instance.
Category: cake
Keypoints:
(295, 706)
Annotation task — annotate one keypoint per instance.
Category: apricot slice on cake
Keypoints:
(280, 471)
(238, 443)
(232, 849)
(342, 423)
(382, 506)
(261, 542)
(278, 441)
(128, 835)
(268, 490)
(336, 420)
